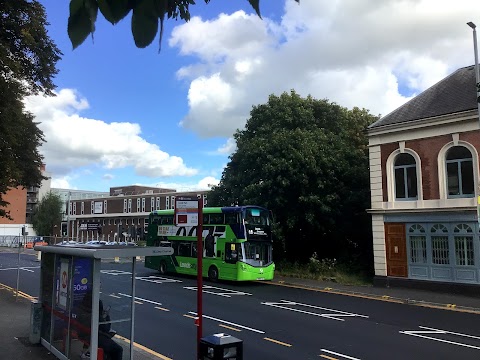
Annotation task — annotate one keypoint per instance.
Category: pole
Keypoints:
(199, 274)
(18, 266)
(132, 322)
(68, 216)
(477, 75)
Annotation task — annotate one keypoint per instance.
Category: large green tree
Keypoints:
(48, 214)
(147, 16)
(27, 66)
(307, 161)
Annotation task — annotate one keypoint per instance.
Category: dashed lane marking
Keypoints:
(228, 323)
(338, 354)
(277, 342)
(160, 308)
(229, 327)
(327, 357)
(141, 299)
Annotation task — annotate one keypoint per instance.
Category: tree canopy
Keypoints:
(48, 214)
(147, 16)
(27, 63)
(307, 161)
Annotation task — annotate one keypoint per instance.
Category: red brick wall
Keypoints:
(18, 206)
(428, 150)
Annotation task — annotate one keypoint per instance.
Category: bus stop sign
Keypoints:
(186, 211)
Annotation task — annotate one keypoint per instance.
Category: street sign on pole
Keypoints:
(189, 212)
(186, 211)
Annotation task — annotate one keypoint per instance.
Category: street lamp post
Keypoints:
(477, 85)
(477, 75)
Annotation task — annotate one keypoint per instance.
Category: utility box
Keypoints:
(221, 346)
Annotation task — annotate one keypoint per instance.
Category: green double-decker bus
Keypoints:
(237, 244)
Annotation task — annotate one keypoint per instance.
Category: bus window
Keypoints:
(194, 250)
(167, 220)
(184, 249)
(231, 218)
(206, 219)
(217, 219)
(175, 248)
(232, 253)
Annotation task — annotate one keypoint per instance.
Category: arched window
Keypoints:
(405, 177)
(459, 165)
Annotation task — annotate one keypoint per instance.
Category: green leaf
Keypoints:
(145, 23)
(114, 10)
(81, 22)
(256, 6)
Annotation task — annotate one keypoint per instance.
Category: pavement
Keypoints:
(15, 312)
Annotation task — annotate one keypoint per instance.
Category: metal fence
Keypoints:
(16, 240)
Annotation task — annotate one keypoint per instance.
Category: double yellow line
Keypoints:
(20, 293)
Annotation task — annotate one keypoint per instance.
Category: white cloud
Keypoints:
(73, 141)
(61, 182)
(366, 53)
(229, 147)
(204, 184)
(108, 177)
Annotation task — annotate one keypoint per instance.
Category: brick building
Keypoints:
(123, 215)
(424, 173)
(22, 202)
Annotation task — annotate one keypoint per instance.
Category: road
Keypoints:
(273, 321)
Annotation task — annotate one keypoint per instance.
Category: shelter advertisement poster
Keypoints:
(62, 281)
(82, 278)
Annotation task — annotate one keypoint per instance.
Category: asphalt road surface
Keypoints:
(274, 322)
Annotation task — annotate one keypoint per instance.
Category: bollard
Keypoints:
(39, 255)
(35, 322)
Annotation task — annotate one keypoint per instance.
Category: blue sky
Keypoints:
(135, 116)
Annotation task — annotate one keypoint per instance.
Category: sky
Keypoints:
(124, 116)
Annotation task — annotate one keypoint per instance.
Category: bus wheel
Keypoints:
(213, 274)
(162, 268)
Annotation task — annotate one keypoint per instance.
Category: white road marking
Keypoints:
(141, 299)
(224, 292)
(431, 331)
(156, 279)
(115, 272)
(338, 354)
(337, 314)
(229, 323)
(26, 268)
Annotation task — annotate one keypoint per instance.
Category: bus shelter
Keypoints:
(84, 289)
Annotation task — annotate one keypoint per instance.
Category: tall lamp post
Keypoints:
(477, 76)
(477, 85)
